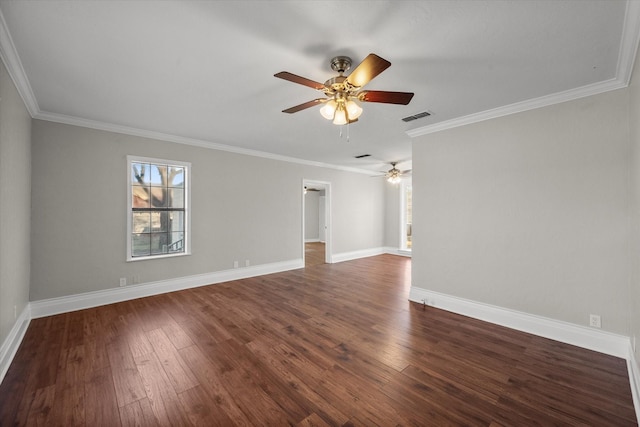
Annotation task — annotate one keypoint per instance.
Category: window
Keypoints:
(406, 215)
(158, 208)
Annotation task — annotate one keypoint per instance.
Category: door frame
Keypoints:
(326, 186)
(403, 214)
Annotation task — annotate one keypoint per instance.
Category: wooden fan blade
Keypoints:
(402, 98)
(369, 68)
(304, 106)
(300, 80)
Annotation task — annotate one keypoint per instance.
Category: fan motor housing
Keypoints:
(336, 85)
(341, 64)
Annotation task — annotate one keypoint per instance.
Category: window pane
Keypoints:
(409, 205)
(141, 222)
(140, 196)
(159, 175)
(176, 176)
(176, 221)
(177, 242)
(140, 173)
(141, 244)
(176, 198)
(408, 214)
(158, 199)
(159, 221)
(158, 243)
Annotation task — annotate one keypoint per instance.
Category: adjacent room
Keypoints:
(319, 213)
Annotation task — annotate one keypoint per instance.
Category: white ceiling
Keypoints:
(201, 72)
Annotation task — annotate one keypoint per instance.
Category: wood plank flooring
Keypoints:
(314, 254)
(329, 345)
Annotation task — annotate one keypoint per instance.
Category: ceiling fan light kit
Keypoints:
(343, 94)
(394, 178)
(340, 111)
(394, 175)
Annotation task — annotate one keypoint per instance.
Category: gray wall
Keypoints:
(634, 158)
(312, 215)
(530, 211)
(243, 208)
(15, 203)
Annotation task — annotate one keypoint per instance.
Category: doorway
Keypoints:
(406, 216)
(316, 222)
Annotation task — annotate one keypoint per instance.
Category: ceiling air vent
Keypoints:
(416, 116)
(362, 156)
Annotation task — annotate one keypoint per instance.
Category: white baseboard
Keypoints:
(604, 342)
(363, 253)
(69, 303)
(316, 240)
(397, 251)
(592, 339)
(12, 342)
(634, 380)
(589, 338)
(65, 304)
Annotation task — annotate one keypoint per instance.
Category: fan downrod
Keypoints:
(341, 64)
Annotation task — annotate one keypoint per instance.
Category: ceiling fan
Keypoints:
(394, 175)
(342, 93)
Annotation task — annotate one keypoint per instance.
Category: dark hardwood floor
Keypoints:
(333, 344)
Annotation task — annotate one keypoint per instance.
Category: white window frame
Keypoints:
(187, 207)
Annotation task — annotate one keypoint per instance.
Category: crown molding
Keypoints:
(624, 69)
(12, 63)
(518, 107)
(629, 42)
(159, 136)
(11, 60)
(626, 59)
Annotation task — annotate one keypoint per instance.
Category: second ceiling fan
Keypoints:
(394, 175)
(343, 93)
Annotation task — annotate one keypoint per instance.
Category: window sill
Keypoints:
(151, 257)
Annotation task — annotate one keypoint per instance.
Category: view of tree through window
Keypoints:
(157, 209)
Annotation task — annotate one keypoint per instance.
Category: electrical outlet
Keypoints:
(123, 281)
(236, 264)
(595, 321)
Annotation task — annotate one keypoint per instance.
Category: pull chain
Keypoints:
(347, 132)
